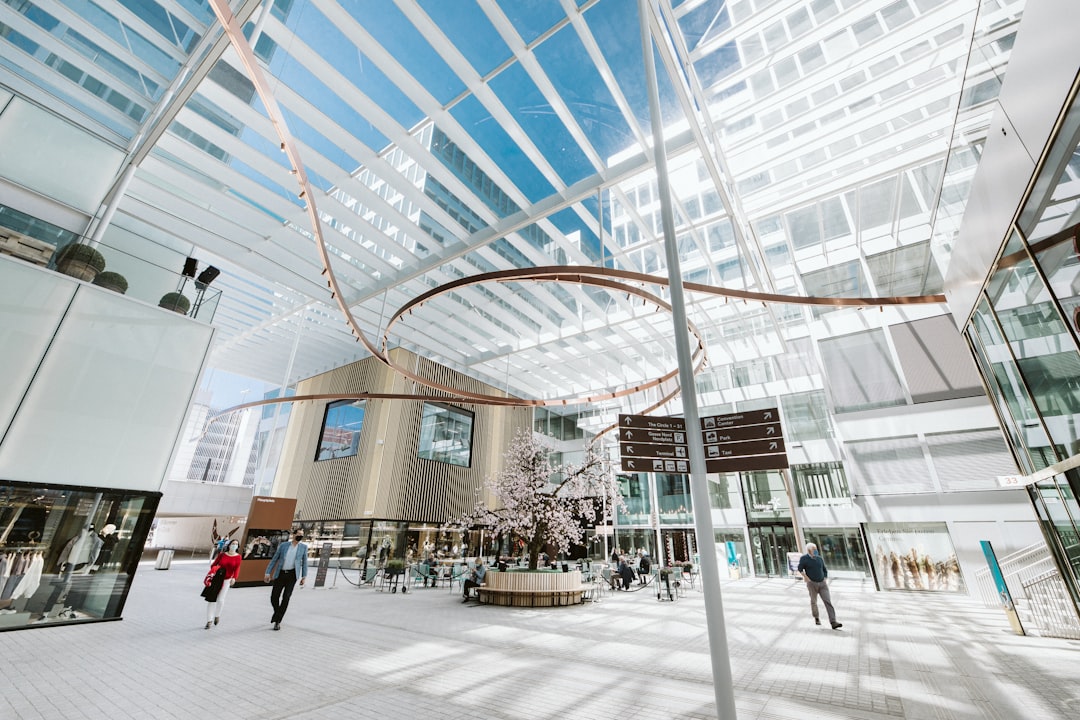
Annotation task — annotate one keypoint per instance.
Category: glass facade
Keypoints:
(1024, 335)
(821, 484)
(446, 434)
(68, 554)
(340, 436)
(841, 548)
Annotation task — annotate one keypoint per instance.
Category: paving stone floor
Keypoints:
(345, 652)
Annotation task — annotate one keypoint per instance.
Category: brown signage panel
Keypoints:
(744, 432)
(750, 417)
(268, 524)
(650, 422)
(660, 465)
(644, 450)
(747, 447)
(746, 462)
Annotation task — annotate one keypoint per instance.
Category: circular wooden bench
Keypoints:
(532, 589)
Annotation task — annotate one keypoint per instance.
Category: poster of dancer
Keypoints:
(914, 556)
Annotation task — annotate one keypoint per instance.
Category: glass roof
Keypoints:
(814, 146)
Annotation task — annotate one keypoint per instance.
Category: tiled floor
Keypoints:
(357, 653)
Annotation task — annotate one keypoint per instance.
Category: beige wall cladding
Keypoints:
(387, 479)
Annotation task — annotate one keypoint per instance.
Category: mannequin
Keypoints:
(108, 537)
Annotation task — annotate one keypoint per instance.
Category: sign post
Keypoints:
(1002, 588)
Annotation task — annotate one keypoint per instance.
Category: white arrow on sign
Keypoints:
(629, 449)
(770, 431)
(768, 414)
(630, 464)
(629, 419)
(772, 446)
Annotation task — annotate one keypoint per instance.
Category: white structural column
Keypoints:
(699, 489)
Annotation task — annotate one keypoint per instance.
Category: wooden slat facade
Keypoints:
(386, 479)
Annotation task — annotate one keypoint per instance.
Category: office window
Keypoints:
(341, 429)
(446, 434)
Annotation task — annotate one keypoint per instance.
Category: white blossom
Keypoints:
(541, 503)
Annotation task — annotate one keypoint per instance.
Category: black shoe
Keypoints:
(837, 626)
(465, 599)
(277, 626)
(207, 626)
(217, 620)
(817, 621)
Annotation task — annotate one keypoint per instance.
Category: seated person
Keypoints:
(475, 579)
(644, 567)
(625, 572)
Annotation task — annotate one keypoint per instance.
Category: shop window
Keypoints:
(914, 556)
(446, 434)
(68, 553)
(341, 429)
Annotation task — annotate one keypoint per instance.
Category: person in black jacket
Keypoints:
(625, 572)
(644, 567)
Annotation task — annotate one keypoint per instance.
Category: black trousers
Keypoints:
(279, 596)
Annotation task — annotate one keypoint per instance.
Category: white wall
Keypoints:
(95, 385)
(196, 498)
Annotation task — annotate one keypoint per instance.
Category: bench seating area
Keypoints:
(532, 589)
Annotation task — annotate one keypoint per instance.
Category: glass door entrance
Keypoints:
(771, 544)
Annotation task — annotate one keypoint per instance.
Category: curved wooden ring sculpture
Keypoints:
(599, 277)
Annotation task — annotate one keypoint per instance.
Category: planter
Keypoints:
(80, 261)
(112, 281)
(176, 302)
(532, 589)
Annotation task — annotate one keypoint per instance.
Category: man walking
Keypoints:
(813, 570)
(288, 563)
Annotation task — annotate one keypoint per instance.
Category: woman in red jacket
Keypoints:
(229, 561)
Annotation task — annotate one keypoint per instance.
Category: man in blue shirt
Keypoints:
(288, 563)
(476, 578)
(813, 570)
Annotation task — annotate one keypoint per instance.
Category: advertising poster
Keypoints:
(914, 556)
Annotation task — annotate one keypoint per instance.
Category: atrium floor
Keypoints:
(358, 653)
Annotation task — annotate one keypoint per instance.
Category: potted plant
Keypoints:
(394, 567)
(177, 302)
(80, 261)
(112, 281)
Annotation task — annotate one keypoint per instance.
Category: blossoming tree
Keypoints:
(542, 503)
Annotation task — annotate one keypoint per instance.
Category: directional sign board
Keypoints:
(653, 444)
(750, 440)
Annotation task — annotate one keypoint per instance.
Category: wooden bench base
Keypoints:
(532, 589)
(531, 598)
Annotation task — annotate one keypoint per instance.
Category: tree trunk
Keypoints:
(534, 553)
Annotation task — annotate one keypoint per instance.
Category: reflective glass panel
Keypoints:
(1044, 349)
(446, 434)
(68, 554)
(341, 429)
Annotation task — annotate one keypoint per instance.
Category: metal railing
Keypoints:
(1051, 606)
(1038, 591)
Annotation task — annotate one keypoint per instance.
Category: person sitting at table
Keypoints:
(625, 572)
(644, 566)
(428, 568)
(475, 579)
